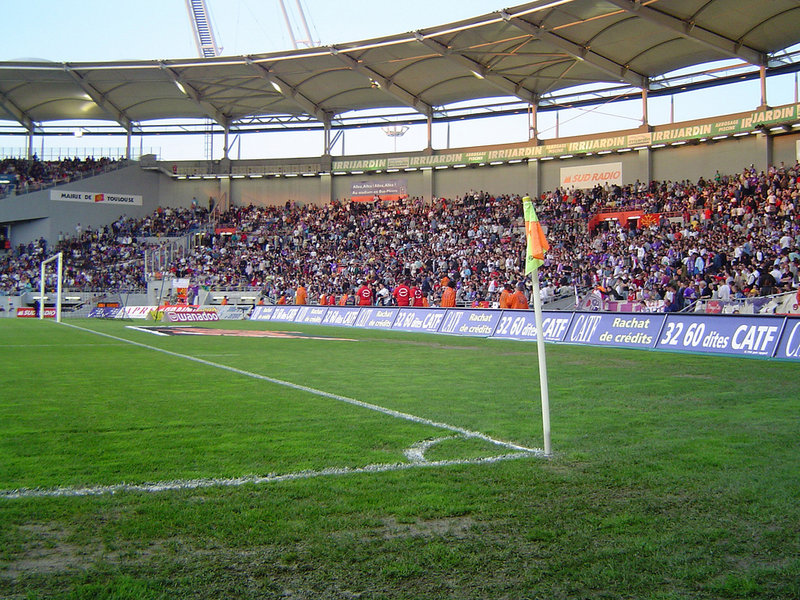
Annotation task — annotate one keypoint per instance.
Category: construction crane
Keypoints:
(204, 36)
(207, 47)
(308, 42)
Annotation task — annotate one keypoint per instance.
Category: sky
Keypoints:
(109, 30)
(91, 30)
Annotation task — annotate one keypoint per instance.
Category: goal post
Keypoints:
(59, 258)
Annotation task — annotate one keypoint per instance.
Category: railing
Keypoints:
(29, 188)
(57, 154)
(773, 304)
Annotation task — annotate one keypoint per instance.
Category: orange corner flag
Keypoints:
(537, 244)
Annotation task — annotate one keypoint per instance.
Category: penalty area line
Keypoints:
(374, 407)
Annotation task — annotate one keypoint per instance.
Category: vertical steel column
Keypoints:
(645, 116)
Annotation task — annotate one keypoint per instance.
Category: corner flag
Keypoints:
(537, 244)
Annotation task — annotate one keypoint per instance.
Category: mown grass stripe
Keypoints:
(374, 407)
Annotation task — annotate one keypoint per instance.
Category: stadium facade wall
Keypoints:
(694, 161)
(786, 149)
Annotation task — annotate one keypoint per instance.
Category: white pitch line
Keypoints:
(416, 453)
(386, 411)
(192, 484)
(143, 329)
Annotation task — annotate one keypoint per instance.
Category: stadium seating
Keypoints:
(20, 176)
(725, 236)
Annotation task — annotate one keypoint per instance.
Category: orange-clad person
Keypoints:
(449, 295)
(505, 296)
(301, 295)
(518, 298)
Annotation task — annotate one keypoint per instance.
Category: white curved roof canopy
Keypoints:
(523, 52)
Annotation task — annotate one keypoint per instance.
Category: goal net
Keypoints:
(50, 278)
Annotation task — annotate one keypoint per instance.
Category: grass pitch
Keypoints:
(673, 476)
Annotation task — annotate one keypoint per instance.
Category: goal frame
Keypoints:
(60, 271)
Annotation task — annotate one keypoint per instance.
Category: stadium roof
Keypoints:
(525, 52)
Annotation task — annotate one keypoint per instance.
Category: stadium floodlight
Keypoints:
(59, 258)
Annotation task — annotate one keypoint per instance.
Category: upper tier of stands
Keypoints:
(21, 176)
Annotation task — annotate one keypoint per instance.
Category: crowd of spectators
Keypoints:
(111, 258)
(725, 237)
(22, 175)
(729, 236)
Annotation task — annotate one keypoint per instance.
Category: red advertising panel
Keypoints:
(32, 313)
(385, 189)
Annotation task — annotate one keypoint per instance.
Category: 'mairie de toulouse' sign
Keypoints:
(95, 197)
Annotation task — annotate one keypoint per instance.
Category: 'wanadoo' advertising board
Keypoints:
(191, 316)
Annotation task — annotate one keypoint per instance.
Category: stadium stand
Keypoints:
(721, 238)
(715, 236)
(21, 176)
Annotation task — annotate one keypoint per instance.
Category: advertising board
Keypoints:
(340, 316)
(419, 319)
(481, 323)
(374, 317)
(521, 325)
(626, 330)
(743, 335)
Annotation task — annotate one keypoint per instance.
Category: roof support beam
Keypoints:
(289, 92)
(15, 112)
(479, 70)
(108, 107)
(209, 109)
(386, 84)
(691, 31)
(617, 71)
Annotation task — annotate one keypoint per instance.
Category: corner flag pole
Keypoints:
(534, 257)
(537, 309)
